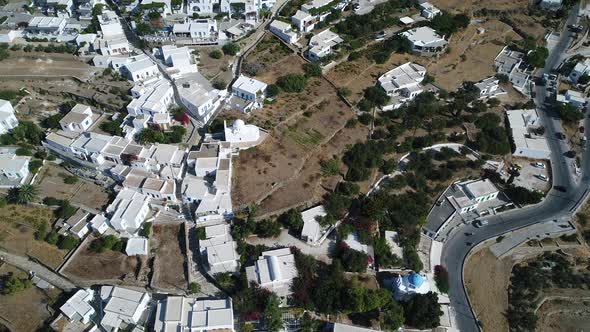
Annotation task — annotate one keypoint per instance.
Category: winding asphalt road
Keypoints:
(556, 205)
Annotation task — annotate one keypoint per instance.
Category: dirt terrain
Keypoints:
(27, 310)
(304, 128)
(170, 262)
(51, 184)
(486, 280)
(90, 267)
(17, 231)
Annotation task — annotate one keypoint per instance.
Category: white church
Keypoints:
(241, 135)
(410, 284)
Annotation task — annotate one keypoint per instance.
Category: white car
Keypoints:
(539, 165)
(542, 177)
(481, 223)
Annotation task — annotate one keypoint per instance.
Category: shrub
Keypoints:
(441, 277)
(292, 219)
(35, 165)
(146, 229)
(268, 228)
(312, 70)
(67, 242)
(216, 54)
(23, 152)
(231, 49)
(70, 179)
(272, 91)
(219, 84)
(292, 82)
(330, 167)
(194, 288)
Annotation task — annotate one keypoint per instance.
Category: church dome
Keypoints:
(416, 280)
(238, 125)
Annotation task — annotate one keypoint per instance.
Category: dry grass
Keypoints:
(51, 184)
(486, 280)
(170, 262)
(90, 267)
(27, 310)
(17, 229)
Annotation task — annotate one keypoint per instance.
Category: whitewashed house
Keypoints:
(523, 124)
(305, 22)
(219, 250)
(322, 45)
(137, 246)
(112, 40)
(402, 84)
(122, 306)
(580, 69)
(152, 99)
(76, 225)
(489, 88)
(251, 90)
(78, 308)
(428, 10)
(179, 59)
(46, 25)
(571, 97)
(196, 31)
(198, 96)
(8, 120)
(425, 41)
(59, 8)
(15, 168)
(274, 270)
(312, 232)
(511, 63)
(241, 133)
(190, 314)
(128, 211)
(284, 31)
(79, 119)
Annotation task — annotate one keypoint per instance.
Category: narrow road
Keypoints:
(41, 271)
(556, 205)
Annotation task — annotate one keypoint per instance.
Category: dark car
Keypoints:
(570, 154)
(560, 188)
(560, 135)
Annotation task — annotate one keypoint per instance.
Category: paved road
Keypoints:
(41, 271)
(557, 204)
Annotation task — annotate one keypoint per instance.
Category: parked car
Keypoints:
(542, 177)
(539, 165)
(560, 135)
(380, 35)
(560, 188)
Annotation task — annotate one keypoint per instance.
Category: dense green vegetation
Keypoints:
(154, 135)
(292, 83)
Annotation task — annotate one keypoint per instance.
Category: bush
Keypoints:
(353, 260)
(268, 228)
(272, 91)
(292, 82)
(441, 277)
(194, 288)
(12, 284)
(231, 49)
(70, 179)
(23, 152)
(35, 165)
(102, 244)
(146, 229)
(312, 70)
(216, 54)
(292, 219)
(330, 167)
(523, 196)
(219, 84)
(67, 242)
(422, 311)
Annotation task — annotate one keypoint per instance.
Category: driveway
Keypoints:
(41, 271)
(322, 252)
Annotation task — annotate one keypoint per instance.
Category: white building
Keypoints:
(78, 308)
(112, 40)
(469, 194)
(322, 44)
(528, 144)
(312, 232)
(15, 168)
(251, 90)
(128, 211)
(511, 63)
(59, 8)
(180, 59)
(99, 224)
(177, 313)
(198, 96)
(574, 98)
(581, 68)
(85, 7)
(274, 270)
(425, 41)
(241, 134)
(46, 25)
(489, 88)
(79, 119)
(219, 250)
(151, 99)
(137, 246)
(8, 120)
(122, 305)
(402, 84)
(428, 10)
(408, 285)
(199, 31)
(284, 31)
(136, 68)
(75, 225)
(305, 22)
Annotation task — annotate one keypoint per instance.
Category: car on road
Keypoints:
(560, 188)
(560, 135)
(356, 6)
(480, 223)
(539, 165)
(570, 154)
(380, 35)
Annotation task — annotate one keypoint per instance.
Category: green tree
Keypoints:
(12, 284)
(569, 113)
(292, 219)
(268, 228)
(23, 195)
(52, 121)
(272, 91)
(292, 82)
(312, 70)
(422, 311)
(537, 57)
(273, 316)
(231, 48)
(216, 54)
(67, 242)
(393, 317)
(330, 167)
